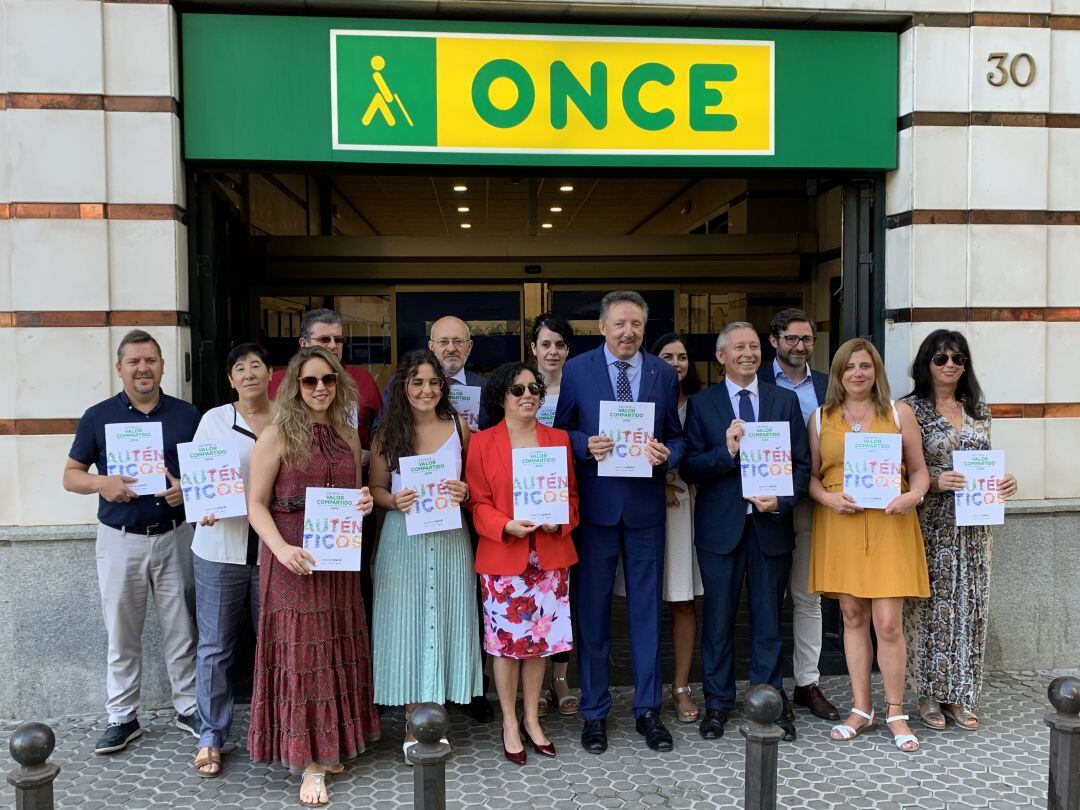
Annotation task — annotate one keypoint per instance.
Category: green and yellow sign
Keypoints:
(551, 94)
(331, 90)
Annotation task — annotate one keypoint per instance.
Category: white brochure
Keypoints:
(872, 468)
(138, 450)
(978, 503)
(333, 528)
(630, 425)
(765, 459)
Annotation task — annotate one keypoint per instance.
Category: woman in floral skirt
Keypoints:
(523, 565)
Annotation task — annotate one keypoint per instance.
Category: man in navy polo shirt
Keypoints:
(143, 543)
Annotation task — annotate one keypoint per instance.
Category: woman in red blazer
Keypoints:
(524, 565)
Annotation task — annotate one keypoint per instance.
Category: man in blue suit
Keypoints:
(791, 334)
(740, 538)
(620, 515)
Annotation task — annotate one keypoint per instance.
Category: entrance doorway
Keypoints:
(391, 254)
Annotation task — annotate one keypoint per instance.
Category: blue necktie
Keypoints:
(623, 393)
(746, 410)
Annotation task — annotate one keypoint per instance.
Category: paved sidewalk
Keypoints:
(1003, 766)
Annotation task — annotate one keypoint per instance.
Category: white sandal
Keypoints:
(847, 733)
(900, 739)
(318, 777)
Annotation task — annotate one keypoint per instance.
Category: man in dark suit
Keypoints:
(620, 516)
(791, 334)
(740, 538)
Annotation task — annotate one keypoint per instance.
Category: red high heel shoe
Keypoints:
(546, 750)
(518, 758)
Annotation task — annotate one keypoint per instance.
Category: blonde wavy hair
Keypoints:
(834, 397)
(292, 416)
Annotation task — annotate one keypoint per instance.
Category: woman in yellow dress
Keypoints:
(869, 559)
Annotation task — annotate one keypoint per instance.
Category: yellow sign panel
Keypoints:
(574, 94)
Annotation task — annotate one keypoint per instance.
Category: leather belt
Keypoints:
(150, 529)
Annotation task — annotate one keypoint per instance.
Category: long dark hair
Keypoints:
(501, 379)
(968, 391)
(691, 383)
(395, 436)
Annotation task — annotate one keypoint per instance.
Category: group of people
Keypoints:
(523, 592)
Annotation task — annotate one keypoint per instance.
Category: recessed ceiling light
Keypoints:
(460, 187)
(546, 225)
(556, 209)
(566, 188)
(463, 209)
(465, 225)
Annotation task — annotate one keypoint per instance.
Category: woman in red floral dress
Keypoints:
(524, 566)
(312, 702)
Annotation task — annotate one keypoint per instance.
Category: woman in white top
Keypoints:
(551, 337)
(226, 556)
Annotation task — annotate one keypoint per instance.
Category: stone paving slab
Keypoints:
(1003, 766)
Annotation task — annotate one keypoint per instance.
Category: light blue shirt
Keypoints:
(733, 394)
(804, 390)
(634, 372)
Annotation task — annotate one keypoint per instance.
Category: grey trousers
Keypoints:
(131, 567)
(806, 606)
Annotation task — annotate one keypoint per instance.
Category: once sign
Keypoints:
(294, 90)
(429, 91)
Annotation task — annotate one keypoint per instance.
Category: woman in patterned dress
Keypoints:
(426, 647)
(311, 707)
(947, 632)
(524, 566)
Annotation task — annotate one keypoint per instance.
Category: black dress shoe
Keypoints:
(712, 724)
(594, 736)
(651, 727)
(787, 724)
(480, 710)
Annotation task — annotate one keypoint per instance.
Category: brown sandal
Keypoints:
(965, 720)
(206, 757)
(931, 716)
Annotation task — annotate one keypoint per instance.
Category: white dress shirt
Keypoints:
(227, 540)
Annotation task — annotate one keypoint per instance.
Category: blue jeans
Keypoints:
(221, 590)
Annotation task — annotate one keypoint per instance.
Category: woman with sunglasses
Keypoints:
(523, 566)
(311, 708)
(551, 338)
(425, 642)
(947, 632)
(225, 556)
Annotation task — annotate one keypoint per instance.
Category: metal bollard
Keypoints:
(1064, 788)
(763, 708)
(429, 723)
(30, 746)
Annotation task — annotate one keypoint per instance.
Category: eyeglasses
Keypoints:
(794, 340)
(444, 343)
(416, 384)
(326, 340)
(328, 380)
(518, 389)
(941, 358)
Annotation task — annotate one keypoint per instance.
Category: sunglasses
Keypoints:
(327, 380)
(326, 340)
(941, 358)
(517, 389)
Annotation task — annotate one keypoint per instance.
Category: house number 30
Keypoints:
(1020, 70)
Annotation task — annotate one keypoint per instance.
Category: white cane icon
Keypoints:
(383, 95)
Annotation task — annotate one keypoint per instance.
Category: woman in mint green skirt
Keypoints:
(425, 646)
